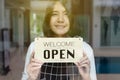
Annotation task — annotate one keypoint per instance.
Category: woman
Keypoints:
(57, 24)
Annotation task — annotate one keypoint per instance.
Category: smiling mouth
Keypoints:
(60, 26)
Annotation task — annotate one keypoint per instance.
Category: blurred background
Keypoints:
(97, 21)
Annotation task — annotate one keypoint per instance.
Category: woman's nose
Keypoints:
(60, 18)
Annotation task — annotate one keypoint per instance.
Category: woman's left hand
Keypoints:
(84, 67)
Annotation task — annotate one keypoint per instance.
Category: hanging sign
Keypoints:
(58, 49)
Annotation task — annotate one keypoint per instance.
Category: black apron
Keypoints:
(59, 71)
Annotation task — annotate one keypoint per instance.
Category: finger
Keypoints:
(85, 62)
(83, 59)
(84, 54)
(34, 71)
(78, 64)
(35, 64)
(36, 68)
(36, 61)
(84, 66)
(32, 55)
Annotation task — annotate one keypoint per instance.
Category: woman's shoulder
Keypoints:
(87, 48)
(32, 44)
(31, 48)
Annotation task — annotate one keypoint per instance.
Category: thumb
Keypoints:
(84, 54)
(32, 55)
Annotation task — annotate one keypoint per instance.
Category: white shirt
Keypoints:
(87, 49)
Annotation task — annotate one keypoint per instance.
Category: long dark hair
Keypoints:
(46, 24)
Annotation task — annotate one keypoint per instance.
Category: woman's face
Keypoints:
(59, 22)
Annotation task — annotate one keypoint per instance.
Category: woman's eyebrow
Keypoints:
(58, 11)
(55, 11)
(65, 11)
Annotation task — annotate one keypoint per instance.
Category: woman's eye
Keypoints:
(65, 13)
(54, 14)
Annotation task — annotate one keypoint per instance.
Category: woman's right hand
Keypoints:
(33, 68)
